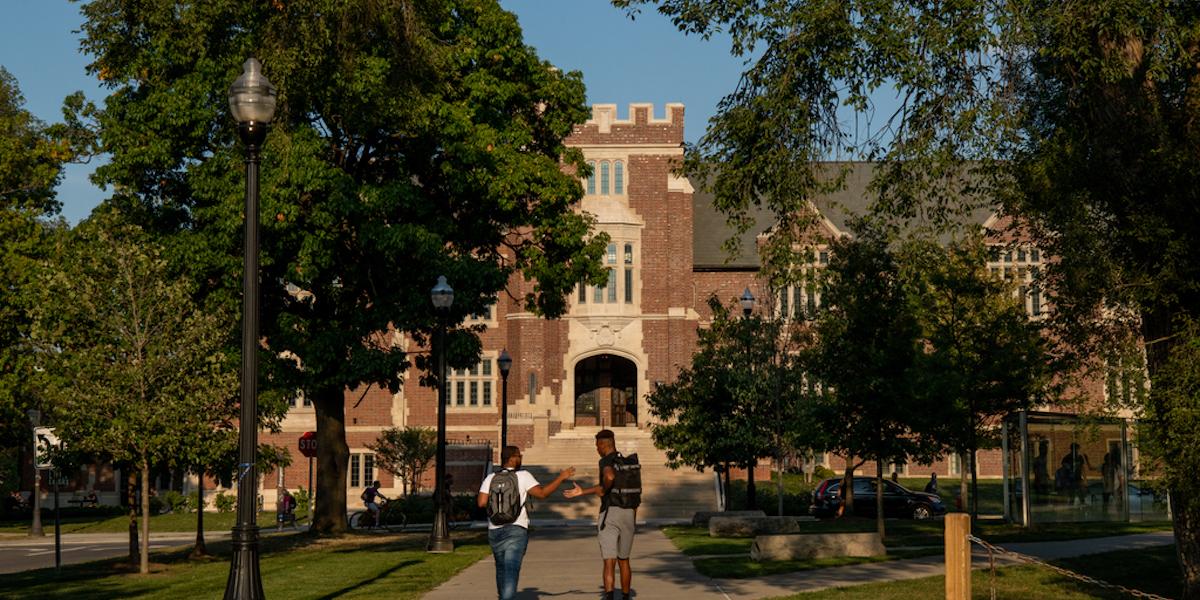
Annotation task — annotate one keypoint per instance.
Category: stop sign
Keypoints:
(308, 444)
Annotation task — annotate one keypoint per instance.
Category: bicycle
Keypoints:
(391, 519)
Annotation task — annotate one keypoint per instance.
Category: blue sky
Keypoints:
(623, 61)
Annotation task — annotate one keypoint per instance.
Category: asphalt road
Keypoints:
(21, 554)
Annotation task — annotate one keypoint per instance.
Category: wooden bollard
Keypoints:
(958, 556)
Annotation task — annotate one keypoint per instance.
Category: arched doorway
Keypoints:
(605, 391)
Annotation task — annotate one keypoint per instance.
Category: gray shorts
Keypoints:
(616, 539)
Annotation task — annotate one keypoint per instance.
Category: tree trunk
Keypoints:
(132, 499)
(200, 549)
(974, 487)
(879, 497)
(963, 496)
(1186, 521)
(333, 457)
(727, 488)
(779, 484)
(751, 501)
(847, 488)
(144, 565)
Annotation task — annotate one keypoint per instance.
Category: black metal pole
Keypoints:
(439, 535)
(245, 580)
(57, 526)
(503, 410)
(311, 496)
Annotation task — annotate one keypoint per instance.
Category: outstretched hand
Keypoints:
(574, 492)
(567, 473)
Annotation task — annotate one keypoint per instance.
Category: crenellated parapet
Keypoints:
(641, 126)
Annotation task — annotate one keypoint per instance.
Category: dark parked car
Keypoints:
(898, 501)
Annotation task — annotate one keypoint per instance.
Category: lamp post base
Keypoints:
(439, 536)
(245, 580)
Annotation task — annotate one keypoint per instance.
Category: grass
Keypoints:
(1151, 570)
(110, 522)
(743, 567)
(293, 566)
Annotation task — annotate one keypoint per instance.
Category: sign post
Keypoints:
(308, 447)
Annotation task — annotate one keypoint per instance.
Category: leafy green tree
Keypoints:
(983, 357)
(32, 155)
(406, 453)
(132, 370)
(867, 346)
(732, 405)
(412, 139)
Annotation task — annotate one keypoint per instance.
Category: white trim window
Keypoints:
(474, 387)
(609, 178)
(622, 276)
(1022, 265)
(362, 469)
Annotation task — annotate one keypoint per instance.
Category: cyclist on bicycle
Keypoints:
(369, 496)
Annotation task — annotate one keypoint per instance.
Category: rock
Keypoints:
(701, 518)
(723, 526)
(815, 545)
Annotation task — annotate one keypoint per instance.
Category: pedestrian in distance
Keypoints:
(620, 491)
(931, 487)
(504, 494)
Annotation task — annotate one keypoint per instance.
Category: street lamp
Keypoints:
(35, 528)
(747, 302)
(439, 537)
(505, 363)
(252, 103)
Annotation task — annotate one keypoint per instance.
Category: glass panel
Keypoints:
(368, 469)
(1020, 255)
(355, 475)
(604, 178)
(619, 178)
(1034, 255)
(487, 393)
(582, 293)
(461, 395)
(628, 286)
(629, 254)
(598, 294)
(612, 285)
(474, 393)
(783, 302)
(824, 257)
(487, 366)
(475, 369)
(591, 182)
(612, 254)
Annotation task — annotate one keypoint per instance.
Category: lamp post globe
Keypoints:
(505, 363)
(252, 104)
(442, 296)
(747, 302)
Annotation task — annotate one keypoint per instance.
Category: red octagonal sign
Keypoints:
(308, 444)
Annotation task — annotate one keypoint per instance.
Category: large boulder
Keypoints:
(700, 519)
(815, 545)
(748, 526)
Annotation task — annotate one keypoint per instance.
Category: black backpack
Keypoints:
(504, 498)
(626, 491)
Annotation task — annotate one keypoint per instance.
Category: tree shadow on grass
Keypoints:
(365, 582)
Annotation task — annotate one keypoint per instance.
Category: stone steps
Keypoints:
(667, 493)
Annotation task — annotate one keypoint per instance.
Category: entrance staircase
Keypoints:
(666, 493)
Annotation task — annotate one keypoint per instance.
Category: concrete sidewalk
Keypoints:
(565, 563)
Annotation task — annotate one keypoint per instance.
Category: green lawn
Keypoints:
(109, 522)
(293, 566)
(1151, 570)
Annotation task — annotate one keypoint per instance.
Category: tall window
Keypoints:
(591, 181)
(628, 273)
(1021, 265)
(615, 287)
(362, 469)
(472, 387)
(618, 177)
(604, 178)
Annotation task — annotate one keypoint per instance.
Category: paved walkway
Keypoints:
(565, 563)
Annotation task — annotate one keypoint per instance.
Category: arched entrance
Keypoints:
(605, 391)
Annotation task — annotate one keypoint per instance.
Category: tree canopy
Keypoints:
(411, 140)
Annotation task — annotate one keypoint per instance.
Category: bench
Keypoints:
(800, 546)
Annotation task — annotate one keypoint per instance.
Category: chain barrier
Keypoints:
(993, 550)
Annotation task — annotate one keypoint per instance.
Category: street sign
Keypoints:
(44, 440)
(308, 444)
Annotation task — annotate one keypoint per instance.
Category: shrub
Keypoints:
(302, 498)
(225, 502)
(822, 473)
(193, 501)
(175, 501)
(156, 505)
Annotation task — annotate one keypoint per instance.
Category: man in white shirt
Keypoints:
(509, 541)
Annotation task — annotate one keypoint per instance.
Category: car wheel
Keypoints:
(921, 512)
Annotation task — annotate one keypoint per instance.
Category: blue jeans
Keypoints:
(508, 548)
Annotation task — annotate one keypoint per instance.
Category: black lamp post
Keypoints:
(252, 102)
(35, 528)
(439, 537)
(505, 363)
(747, 302)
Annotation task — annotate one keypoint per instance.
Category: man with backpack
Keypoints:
(620, 492)
(504, 494)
